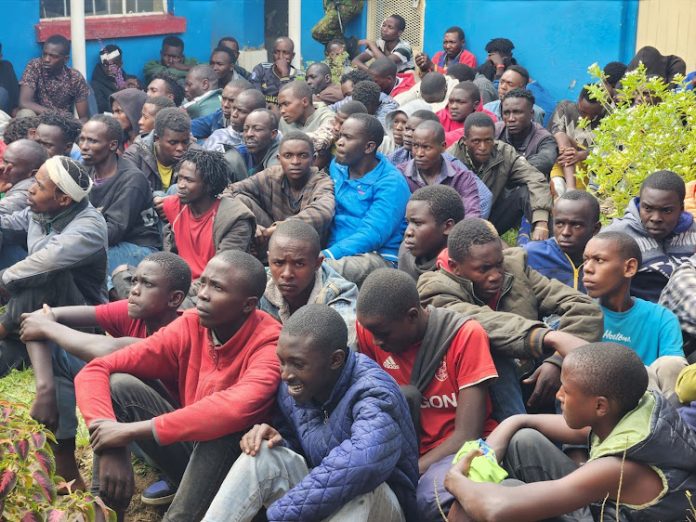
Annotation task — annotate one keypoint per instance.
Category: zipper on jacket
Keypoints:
(326, 416)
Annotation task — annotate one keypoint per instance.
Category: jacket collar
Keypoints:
(62, 220)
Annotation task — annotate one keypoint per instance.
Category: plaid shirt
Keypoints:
(60, 92)
(271, 191)
(679, 295)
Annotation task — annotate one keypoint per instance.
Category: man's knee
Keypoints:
(526, 440)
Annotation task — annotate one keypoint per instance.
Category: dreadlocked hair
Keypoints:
(212, 168)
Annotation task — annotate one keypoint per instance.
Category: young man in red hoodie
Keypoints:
(219, 372)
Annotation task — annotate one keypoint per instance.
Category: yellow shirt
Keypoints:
(165, 174)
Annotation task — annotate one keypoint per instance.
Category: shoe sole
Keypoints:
(161, 501)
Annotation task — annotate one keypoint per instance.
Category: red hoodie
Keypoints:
(222, 390)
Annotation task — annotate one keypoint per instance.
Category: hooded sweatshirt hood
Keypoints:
(131, 101)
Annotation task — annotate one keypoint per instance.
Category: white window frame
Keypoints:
(123, 12)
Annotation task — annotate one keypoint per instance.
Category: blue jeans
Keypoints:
(125, 254)
(505, 391)
(65, 368)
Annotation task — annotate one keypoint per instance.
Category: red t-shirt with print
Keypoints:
(468, 362)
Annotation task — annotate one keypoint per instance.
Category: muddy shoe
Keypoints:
(159, 493)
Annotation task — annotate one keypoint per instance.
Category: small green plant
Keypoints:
(648, 128)
(28, 483)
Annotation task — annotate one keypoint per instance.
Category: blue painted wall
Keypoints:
(556, 40)
(207, 21)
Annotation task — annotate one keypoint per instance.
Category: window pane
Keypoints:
(145, 6)
(61, 8)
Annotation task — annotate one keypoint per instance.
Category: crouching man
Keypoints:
(344, 447)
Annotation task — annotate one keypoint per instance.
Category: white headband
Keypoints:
(106, 56)
(64, 181)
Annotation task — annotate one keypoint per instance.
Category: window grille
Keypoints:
(413, 12)
(61, 8)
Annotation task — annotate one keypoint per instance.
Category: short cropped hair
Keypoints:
(352, 107)
(627, 246)
(173, 119)
(367, 92)
(444, 202)
(521, 71)
(225, 50)
(32, 152)
(461, 72)
(586, 95)
(520, 92)
(296, 135)
(500, 45)
(456, 29)
(425, 115)
(355, 76)
(172, 41)
(435, 127)
(387, 293)
(373, 128)
(58, 39)
(610, 370)
(320, 323)
(298, 89)
(272, 116)
(205, 72)
(255, 98)
(321, 68)
(478, 119)
(471, 89)
(614, 71)
(69, 126)
(665, 180)
(113, 127)
(161, 102)
(227, 39)
(401, 22)
(432, 84)
(383, 67)
(212, 168)
(583, 195)
(298, 230)
(467, 233)
(175, 269)
(252, 273)
(240, 83)
(173, 86)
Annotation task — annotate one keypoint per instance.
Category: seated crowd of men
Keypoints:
(310, 310)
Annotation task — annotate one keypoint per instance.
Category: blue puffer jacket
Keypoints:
(547, 258)
(361, 437)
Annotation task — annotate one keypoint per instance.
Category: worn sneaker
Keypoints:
(158, 493)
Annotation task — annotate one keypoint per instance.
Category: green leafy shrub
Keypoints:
(636, 139)
(28, 483)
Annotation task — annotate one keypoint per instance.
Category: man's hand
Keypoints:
(108, 434)
(158, 203)
(460, 469)
(496, 59)
(252, 439)
(562, 342)
(364, 41)
(423, 61)
(547, 380)
(45, 409)
(540, 231)
(35, 325)
(116, 482)
(283, 67)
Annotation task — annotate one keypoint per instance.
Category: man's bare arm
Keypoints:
(26, 100)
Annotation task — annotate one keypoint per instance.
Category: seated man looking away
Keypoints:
(58, 351)
(298, 277)
(343, 447)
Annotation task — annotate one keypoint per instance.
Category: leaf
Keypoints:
(39, 439)
(8, 479)
(46, 460)
(44, 485)
(57, 515)
(22, 448)
(31, 516)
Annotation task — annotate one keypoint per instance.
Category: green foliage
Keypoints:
(648, 127)
(28, 484)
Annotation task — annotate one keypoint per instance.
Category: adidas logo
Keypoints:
(390, 364)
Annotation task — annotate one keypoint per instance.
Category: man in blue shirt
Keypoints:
(652, 331)
(371, 196)
(575, 221)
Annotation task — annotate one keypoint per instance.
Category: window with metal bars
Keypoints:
(412, 10)
(61, 8)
